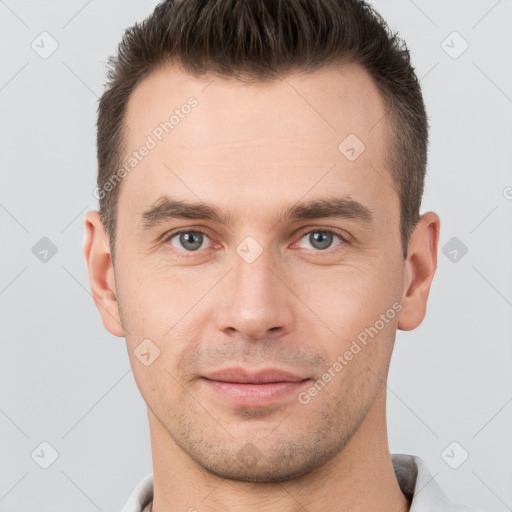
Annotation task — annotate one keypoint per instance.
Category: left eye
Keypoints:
(321, 239)
(189, 240)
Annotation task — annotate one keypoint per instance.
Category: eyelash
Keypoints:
(186, 254)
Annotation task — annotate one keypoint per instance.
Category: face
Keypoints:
(252, 236)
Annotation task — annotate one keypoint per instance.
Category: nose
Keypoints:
(255, 301)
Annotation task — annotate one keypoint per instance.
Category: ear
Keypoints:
(419, 270)
(101, 273)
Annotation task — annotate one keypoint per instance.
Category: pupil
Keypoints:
(194, 239)
(320, 239)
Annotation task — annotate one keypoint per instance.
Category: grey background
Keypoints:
(66, 381)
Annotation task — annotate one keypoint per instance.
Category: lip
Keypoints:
(260, 389)
(242, 376)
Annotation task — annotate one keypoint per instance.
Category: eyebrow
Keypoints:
(166, 208)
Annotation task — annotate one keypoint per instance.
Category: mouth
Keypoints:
(241, 387)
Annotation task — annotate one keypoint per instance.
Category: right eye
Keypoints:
(190, 241)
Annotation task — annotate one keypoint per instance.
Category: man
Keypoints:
(258, 244)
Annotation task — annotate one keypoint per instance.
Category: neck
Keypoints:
(360, 478)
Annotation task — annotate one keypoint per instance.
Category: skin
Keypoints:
(295, 307)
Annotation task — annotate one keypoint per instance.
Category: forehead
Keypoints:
(223, 140)
(323, 104)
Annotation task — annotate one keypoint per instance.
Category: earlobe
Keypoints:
(419, 271)
(101, 273)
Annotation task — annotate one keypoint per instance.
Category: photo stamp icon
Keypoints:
(454, 455)
(454, 249)
(44, 455)
(44, 45)
(249, 249)
(249, 455)
(146, 352)
(44, 250)
(454, 45)
(351, 147)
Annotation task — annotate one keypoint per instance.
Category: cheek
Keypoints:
(349, 298)
(165, 309)
(356, 303)
(153, 298)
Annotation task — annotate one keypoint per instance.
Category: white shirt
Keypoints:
(412, 474)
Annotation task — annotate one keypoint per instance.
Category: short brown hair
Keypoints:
(262, 40)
